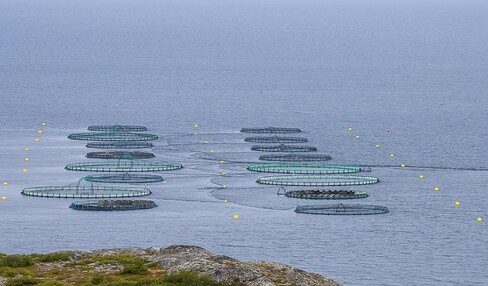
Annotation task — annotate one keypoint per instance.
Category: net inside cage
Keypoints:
(275, 139)
(85, 192)
(283, 148)
(294, 157)
(126, 178)
(317, 180)
(124, 166)
(118, 128)
(112, 136)
(113, 205)
(305, 168)
(271, 130)
(119, 145)
(323, 194)
(120, 155)
(342, 209)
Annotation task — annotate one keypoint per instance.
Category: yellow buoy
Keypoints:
(392, 155)
(212, 151)
(44, 124)
(377, 146)
(225, 201)
(40, 131)
(5, 183)
(37, 140)
(236, 216)
(436, 189)
(457, 203)
(357, 136)
(479, 219)
(223, 173)
(24, 170)
(349, 129)
(224, 186)
(4, 198)
(26, 159)
(196, 133)
(421, 177)
(222, 161)
(195, 125)
(206, 142)
(402, 166)
(26, 149)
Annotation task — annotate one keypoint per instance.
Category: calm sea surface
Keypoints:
(417, 69)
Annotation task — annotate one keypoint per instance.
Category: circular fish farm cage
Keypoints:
(120, 155)
(342, 209)
(323, 194)
(118, 128)
(112, 136)
(293, 157)
(283, 148)
(276, 139)
(305, 168)
(125, 178)
(119, 145)
(85, 192)
(271, 130)
(113, 205)
(317, 180)
(124, 166)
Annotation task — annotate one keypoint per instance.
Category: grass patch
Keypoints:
(54, 257)
(16, 261)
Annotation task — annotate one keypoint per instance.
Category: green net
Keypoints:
(283, 148)
(305, 168)
(271, 130)
(294, 157)
(113, 205)
(317, 180)
(342, 209)
(120, 155)
(275, 139)
(112, 136)
(323, 194)
(119, 145)
(125, 178)
(85, 192)
(124, 166)
(118, 128)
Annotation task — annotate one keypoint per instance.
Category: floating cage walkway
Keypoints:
(294, 157)
(323, 194)
(112, 136)
(119, 145)
(125, 178)
(283, 148)
(85, 192)
(306, 168)
(317, 180)
(276, 139)
(120, 155)
(271, 130)
(118, 128)
(342, 209)
(113, 205)
(124, 166)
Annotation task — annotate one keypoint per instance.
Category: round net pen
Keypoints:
(118, 128)
(112, 136)
(119, 145)
(125, 178)
(85, 192)
(276, 139)
(124, 166)
(323, 194)
(120, 155)
(342, 209)
(293, 157)
(283, 148)
(113, 205)
(271, 130)
(317, 180)
(305, 168)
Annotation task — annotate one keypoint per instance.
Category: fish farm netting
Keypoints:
(294, 157)
(271, 130)
(342, 209)
(276, 139)
(120, 155)
(124, 178)
(317, 180)
(283, 148)
(323, 194)
(112, 136)
(118, 128)
(85, 192)
(119, 145)
(124, 166)
(113, 205)
(305, 168)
